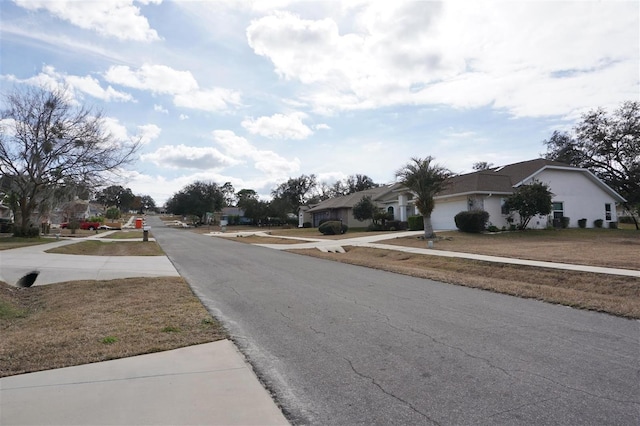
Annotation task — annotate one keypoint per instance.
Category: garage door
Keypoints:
(444, 212)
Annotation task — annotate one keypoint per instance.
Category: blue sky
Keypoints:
(253, 93)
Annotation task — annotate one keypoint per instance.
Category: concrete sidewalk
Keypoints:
(372, 241)
(208, 384)
(203, 384)
(53, 268)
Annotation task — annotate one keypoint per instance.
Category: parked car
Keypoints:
(83, 225)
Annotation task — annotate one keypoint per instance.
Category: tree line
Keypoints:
(202, 197)
(53, 149)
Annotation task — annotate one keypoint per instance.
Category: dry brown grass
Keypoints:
(80, 322)
(596, 247)
(7, 243)
(605, 293)
(124, 235)
(114, 248)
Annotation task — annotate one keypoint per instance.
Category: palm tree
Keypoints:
(425, 179)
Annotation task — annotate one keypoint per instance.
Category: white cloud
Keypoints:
(155, 78)
(321, 126)
(189, 157)
(181, 84)
(115, 129)
(114, 18)
(184, 117)
(91, 86)
(50, 79)
(279, 126)
(272, 164)
(160, 108)
(148, 132)
(527, 58)
(212, 100)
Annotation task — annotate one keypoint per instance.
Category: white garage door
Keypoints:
(444, 212)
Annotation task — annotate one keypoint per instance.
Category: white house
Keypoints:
(577, 194)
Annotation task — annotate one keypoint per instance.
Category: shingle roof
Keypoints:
(348, 201)
(498, 179)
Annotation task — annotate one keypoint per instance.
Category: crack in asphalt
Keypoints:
(282, 313)
(527, 404)
(317, 331)
(508, 373)
(376, 384)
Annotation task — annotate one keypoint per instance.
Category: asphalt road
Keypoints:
(340, 344)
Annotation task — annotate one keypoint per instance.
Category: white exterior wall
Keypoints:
(581, 198)
(442, 217)
(493, 206)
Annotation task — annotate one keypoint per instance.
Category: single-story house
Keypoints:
(341, 208)
(577, 194)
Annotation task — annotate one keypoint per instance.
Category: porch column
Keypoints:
(402, 206)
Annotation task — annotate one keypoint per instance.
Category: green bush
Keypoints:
(96, 219)
(333, 227)
(113, 213)
(6, 226)
(306, 225)
(416, 223)
(375, 227)
(472, 221)
(30, 232)
(626, 219)
(598, 223)
(582, 223)
(493, 228)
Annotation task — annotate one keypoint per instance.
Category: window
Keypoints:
(503, 206)
(607, 211)
(390, 210)
(557, 207)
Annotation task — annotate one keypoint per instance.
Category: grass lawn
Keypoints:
(7, 243)
(124, 235)
(613, 248)
(73, 323)
(78, 322)
(115, 248)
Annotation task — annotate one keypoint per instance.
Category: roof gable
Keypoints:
(503, 180)
(348, 201)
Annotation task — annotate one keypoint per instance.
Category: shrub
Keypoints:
(598, 223)
(582, 223)
(395, 225)
(416, 223)
(613, 225)
(306, 225)
(6, 226)
(471, 221)
(493, 228)
(96, 219)
(375, 227)
(566, 221)
(113, 213)
(625, 219)
(30, 232)
(333, 227)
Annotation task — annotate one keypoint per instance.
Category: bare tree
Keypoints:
(49, 144)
